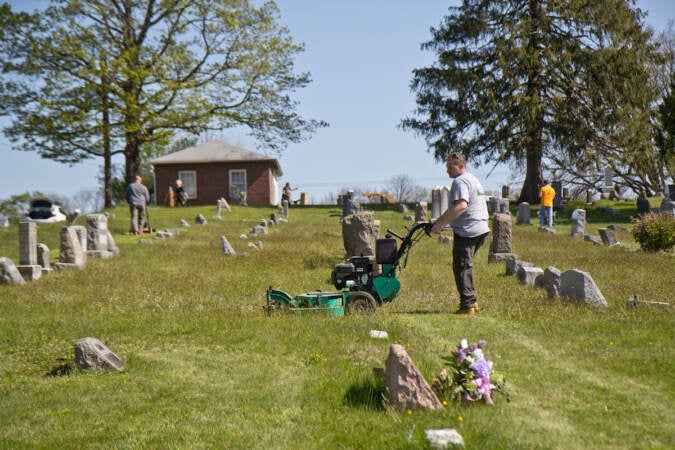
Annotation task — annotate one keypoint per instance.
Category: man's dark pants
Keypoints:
(463, 251)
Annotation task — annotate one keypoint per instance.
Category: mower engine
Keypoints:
(355, 274)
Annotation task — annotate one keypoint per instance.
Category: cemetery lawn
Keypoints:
(206, 368)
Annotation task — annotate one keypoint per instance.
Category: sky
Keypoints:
(360, 54)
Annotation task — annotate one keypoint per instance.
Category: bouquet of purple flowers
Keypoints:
(469, 376)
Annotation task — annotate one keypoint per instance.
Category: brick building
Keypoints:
(217, 169)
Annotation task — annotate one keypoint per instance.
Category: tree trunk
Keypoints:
(534, 123)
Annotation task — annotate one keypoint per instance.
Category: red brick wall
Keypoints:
(213, 181)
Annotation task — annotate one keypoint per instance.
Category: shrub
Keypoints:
(655, 231)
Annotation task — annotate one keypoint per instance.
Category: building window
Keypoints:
(238, 187)
(189, 178)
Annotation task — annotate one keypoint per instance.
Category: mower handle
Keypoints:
(393, 233)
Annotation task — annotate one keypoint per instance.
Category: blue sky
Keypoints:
(361, 54)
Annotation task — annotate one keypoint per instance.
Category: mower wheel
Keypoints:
(360, 303)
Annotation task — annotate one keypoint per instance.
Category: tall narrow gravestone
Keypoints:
(436, 203)
(500, 247)
(28, 262)
(27, 243)
(578, 222)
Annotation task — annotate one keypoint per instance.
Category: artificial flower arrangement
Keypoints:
(469, 376)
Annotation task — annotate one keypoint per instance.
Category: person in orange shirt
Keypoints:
(546, 196)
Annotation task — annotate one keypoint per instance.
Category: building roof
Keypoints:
(213, 152)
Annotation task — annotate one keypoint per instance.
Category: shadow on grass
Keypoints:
(366, 393)
(61, 371)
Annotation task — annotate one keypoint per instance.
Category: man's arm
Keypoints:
(449, 216)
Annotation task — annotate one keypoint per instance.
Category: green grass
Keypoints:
(207, 369)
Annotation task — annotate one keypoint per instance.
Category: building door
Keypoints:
(238, 187)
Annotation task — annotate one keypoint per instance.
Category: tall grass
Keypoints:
(207, 369)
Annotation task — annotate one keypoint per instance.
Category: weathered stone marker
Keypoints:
(90, 353)
(406, 386)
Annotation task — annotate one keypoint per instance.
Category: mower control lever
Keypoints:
(390, 231)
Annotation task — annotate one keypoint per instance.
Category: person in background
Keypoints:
(138, 198)
(546, 196)
(468, 217)
(286, 193)
(181, 195)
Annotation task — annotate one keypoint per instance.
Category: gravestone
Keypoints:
(436, 203)
(608, 188)
(184, 223)
(9, 274)
(493, 205)
(90, 353)
(444, 438)
(28, 266)
(27, 243)
(406, 386)
(445, 199)
(81, 233)
(524, 213)
(500, 246)
(200, 219)
(530, 275)
(552, 281)
(589, 196)
(579, 286)
(71, 255)
(608, 237)
(668, 206)
(643, 206)
(671, 192)
(506, 191)
(504, 206)
(421, 212)
(225, 248)
(558, 199)
(578, 222)
(359, 234)
(284, 208)
(304, 199)
(512, 265)
(97, 236)
(349, 204)
(43, 258)
(402, 208)
(597, 240)
(112, 245)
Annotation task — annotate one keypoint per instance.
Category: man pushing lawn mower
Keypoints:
(468, 217)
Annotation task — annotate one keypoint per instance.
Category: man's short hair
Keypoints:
(455, 158)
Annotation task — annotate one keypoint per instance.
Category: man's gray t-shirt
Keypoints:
(474, 221)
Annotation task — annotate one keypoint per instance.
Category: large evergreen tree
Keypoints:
(522, 80)
(94, 78)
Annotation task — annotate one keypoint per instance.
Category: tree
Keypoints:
(98, 78)
(524, 80)
(404, 190)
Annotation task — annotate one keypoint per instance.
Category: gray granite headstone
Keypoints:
(284, 208)
(578, 222)
(579, 286)
(9, 274)
(524, 213)
(607, 237)
(200, 219)
(43, 258)
(436, 203)
(531, 276)
(504, 206)
(225, 248)
(552, 281)
(493, 205)
(512, 264)
(27, 243)
(71, 256)
(421, 212)
(668, 206)
(90, 353)
(445, 198)
(594, 239)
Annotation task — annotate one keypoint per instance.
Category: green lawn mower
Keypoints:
(365, 284)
